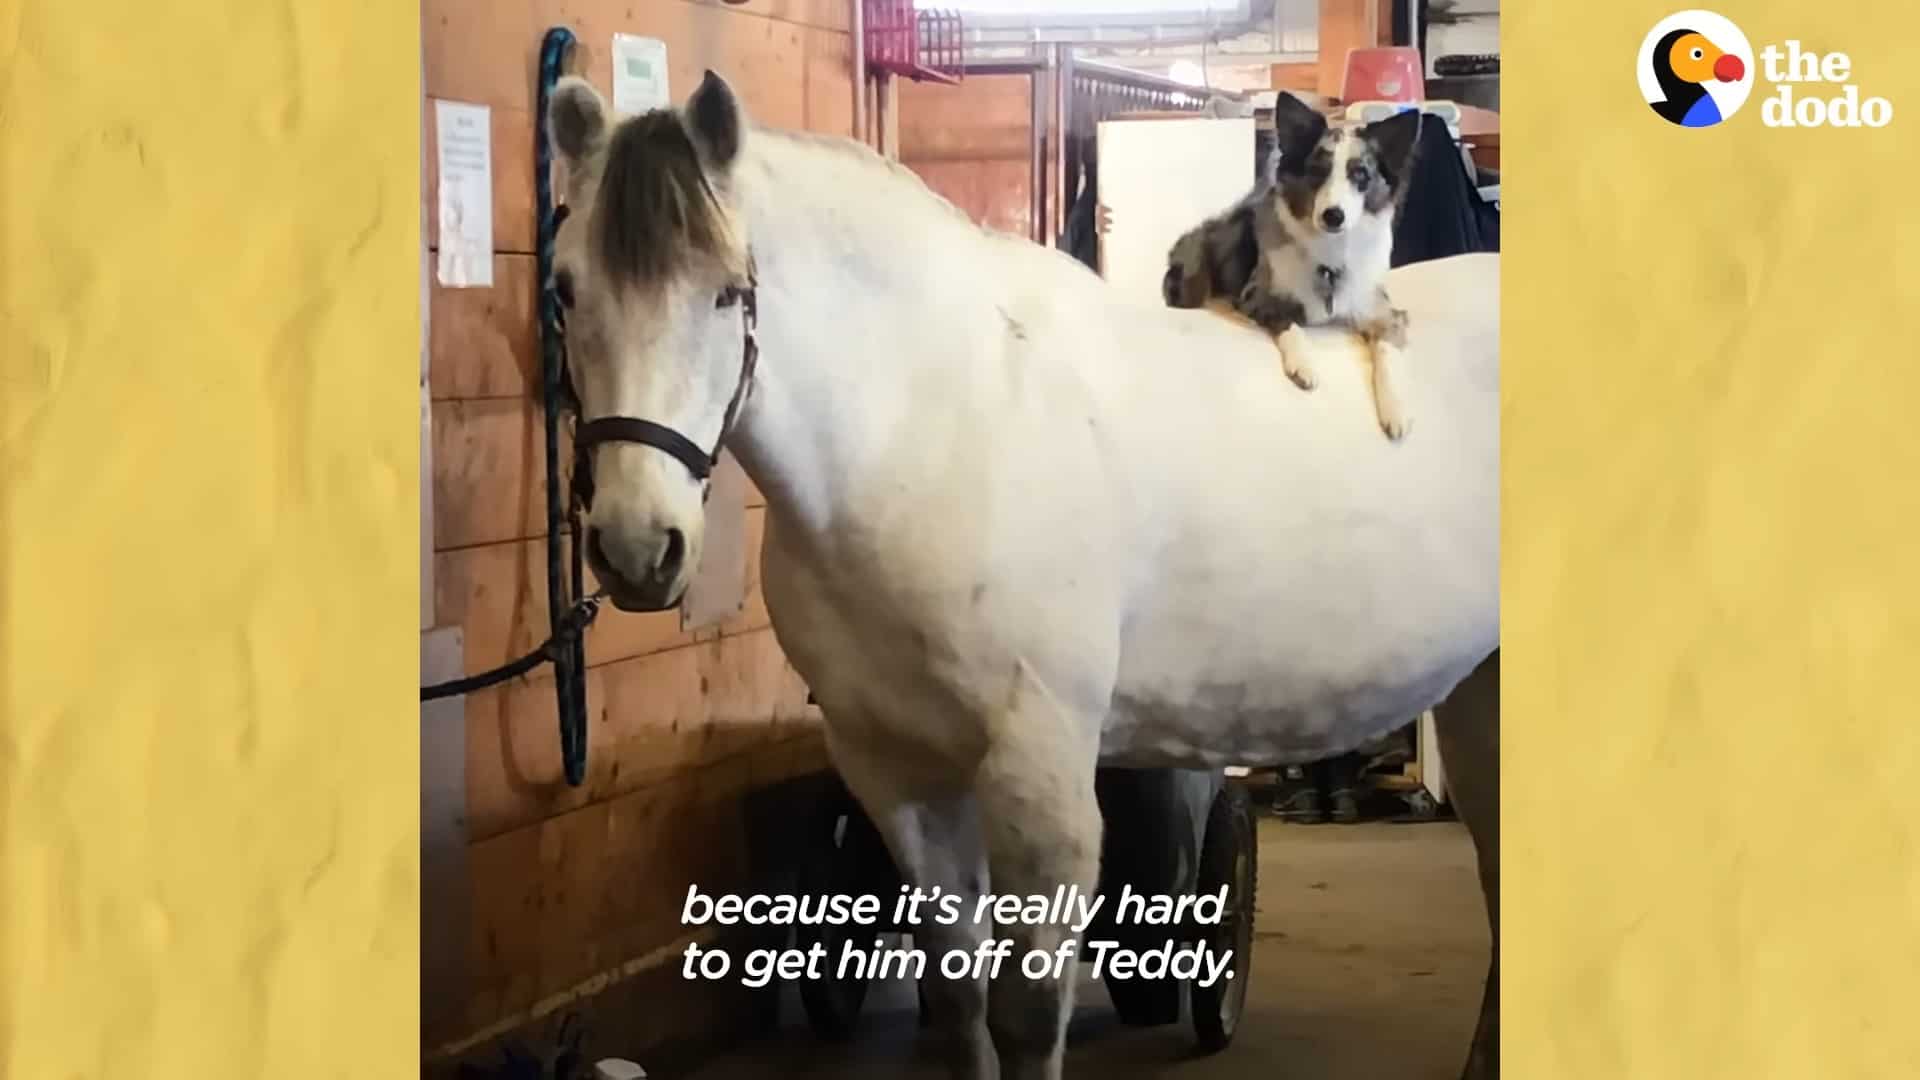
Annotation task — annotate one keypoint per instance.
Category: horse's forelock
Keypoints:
(656, 212)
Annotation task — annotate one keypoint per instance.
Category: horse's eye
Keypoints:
(563, 287)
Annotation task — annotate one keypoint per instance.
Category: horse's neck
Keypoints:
(850, 267)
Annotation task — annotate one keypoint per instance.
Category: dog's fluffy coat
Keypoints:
(1311, 244)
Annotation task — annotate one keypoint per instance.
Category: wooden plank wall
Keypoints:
(574, 889)
(970, 143)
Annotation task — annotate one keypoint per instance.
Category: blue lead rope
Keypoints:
(568, 618)
(569, 657)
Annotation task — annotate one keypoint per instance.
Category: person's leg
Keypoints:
(1296, 798)
(1340, 778)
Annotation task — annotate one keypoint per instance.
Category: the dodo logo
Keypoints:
(1696, 68)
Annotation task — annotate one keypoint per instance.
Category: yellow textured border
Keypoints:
(1712, 552)
(209, 219)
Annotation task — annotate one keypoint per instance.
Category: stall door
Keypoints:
(1159, 178)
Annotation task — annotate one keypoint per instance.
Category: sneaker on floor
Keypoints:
(1300, 805)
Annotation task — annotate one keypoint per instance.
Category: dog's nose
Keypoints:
(1333, 217)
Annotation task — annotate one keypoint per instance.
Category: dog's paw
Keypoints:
(1395, 421)
(1293, 359)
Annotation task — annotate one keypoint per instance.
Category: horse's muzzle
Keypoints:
(639, 582)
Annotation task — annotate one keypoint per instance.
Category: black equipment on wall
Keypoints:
(1444, 212)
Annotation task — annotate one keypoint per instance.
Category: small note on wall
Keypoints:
(465, 154)
(639, 74)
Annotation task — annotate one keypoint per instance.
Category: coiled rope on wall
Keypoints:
(568, 618)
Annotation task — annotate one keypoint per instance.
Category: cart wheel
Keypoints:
(1229, 856)
(833, 1004)
(1145, 1002)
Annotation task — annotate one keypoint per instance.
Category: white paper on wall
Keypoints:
(1159, 178)
(465, 152)
(639, 74)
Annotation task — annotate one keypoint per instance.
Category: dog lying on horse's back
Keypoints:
(1311, 244)
(1017, 522)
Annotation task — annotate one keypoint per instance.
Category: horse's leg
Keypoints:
(1468, 725)
(1042, 824)
(934, 838)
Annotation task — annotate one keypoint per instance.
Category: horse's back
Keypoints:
(1301, 581)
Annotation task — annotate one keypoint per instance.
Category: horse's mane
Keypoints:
(656, 210)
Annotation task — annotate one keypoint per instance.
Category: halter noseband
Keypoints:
(629, 429)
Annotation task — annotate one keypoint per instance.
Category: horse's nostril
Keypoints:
(596, 553)
(674, 555)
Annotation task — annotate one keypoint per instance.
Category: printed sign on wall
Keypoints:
(465, 149)
(639, 74)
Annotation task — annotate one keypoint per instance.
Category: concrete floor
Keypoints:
(1369, 956)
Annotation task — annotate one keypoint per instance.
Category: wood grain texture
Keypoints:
(649, 719)
(568, 896)
(828, 106)
(1344, 25)
(485, 342)
(970, 143)
(497, 592)
(481, 51)
(761, 58)
(489, 482)
(490, 485)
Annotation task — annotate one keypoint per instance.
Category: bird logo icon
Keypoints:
(1695, 69)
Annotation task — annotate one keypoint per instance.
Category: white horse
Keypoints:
(1017, 525)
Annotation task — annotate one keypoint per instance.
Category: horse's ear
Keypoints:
(1297, 126)
(715, 122)
(576, 119)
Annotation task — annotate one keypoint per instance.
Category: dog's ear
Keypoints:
(1395, 142)
(1297, 126)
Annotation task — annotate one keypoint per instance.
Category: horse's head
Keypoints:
(653, 274)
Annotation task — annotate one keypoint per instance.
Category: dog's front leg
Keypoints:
(1385, 333)
(1279, 316)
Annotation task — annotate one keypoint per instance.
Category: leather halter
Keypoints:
(629, 429)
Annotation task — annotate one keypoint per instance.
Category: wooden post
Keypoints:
(859, 42)
(1345, 25)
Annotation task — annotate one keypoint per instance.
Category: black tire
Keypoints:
(1229, 855)
(1145, 1002)
(1141, 848)
(838, 865)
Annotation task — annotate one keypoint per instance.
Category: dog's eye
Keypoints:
(728, 297)
(563, 288)
(1359, 175)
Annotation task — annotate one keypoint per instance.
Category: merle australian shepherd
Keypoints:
(1312, 243)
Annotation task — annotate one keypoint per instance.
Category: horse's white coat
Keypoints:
(1134, 501)
(1017, 523)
